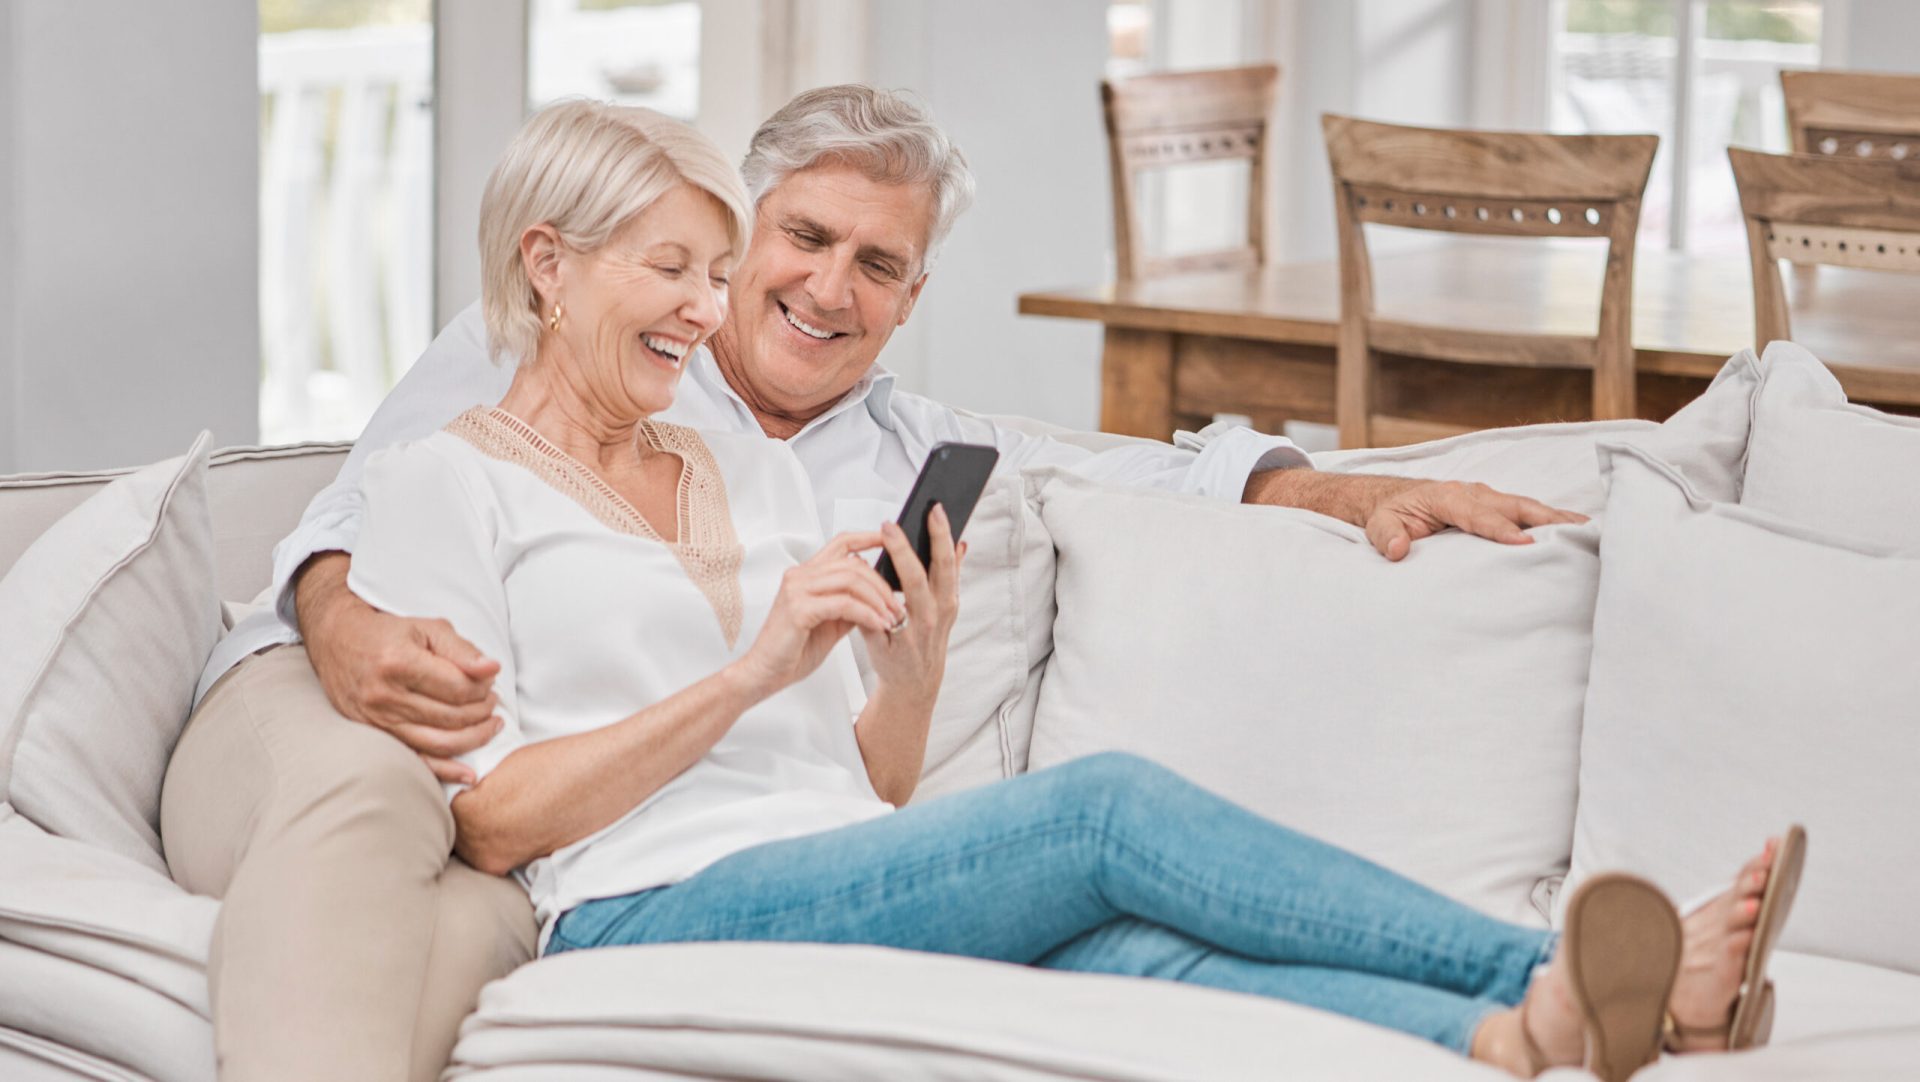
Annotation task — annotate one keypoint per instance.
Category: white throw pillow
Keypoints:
(983, 720)
(1818, 459)
(1557, 463)
(1425, 714)
(109, 617)
(1749, 672)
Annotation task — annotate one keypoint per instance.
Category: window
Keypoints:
(1192, 207)
(1703, 74)
(1129, 28)
(346, 229)
(635, 52)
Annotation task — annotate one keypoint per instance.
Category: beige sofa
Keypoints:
(1655, 690)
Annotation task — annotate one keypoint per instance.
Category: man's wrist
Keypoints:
(318, 586)
(1349, 497)
(1263, 486)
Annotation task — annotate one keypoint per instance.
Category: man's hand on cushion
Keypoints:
(416, 679)
(1397, 511)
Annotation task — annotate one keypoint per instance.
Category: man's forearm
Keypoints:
(319, 586)
(1349, 497)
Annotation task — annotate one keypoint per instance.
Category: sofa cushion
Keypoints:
(1821, 997)
(1749, 672)
(87, 935)
(93, 907)
(1557, 464)
(1886, 1055)
(256, 495)
(983, 720)
(58, 1004)
(800, 1012)
(1425, 714)
(1819, 460)
(110, 615)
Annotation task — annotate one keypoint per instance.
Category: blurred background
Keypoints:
(252, 215)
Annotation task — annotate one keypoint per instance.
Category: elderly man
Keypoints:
(350, 945)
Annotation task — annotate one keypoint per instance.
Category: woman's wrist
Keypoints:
(904, 702)
(744, 682)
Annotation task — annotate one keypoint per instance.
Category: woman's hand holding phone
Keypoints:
(837, 590)
(910, 659)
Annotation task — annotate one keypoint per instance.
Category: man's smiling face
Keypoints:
(835, 265)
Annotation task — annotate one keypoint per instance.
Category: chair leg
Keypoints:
(1353, 391)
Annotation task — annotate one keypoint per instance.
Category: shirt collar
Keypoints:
(875, 389)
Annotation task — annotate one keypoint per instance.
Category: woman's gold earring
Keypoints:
(553, 324)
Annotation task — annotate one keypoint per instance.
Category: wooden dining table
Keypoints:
(1182, 348)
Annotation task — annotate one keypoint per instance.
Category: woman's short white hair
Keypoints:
(586, 168)
(883, 133)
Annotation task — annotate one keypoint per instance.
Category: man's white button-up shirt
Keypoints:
(862, 456)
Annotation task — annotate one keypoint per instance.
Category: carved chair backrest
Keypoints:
(1178, 118)
(1491, 183)
(1812, 209)
(1853, 114)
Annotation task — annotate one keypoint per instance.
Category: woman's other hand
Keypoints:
(909, 660)
(818, 603)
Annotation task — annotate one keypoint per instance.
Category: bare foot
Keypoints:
(1713, 958)
(1544, 1031)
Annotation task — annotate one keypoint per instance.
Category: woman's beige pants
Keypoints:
(350, 942)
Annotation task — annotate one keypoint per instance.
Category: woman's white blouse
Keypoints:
(592, 622)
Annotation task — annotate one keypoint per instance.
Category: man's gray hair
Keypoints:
(883, 133)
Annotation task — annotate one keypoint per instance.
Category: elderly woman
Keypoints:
(684, 750)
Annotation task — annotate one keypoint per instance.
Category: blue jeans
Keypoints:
(1108, 864)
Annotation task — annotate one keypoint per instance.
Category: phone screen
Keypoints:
(954, 476)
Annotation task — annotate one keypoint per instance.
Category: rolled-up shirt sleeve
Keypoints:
(455, 372)
(1214, 462)
(426, 550)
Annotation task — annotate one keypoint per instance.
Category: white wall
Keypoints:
(1880, 35)
(1404, 61)
(480, 100)
(131, 310)
(1017, 86)
(9, 332)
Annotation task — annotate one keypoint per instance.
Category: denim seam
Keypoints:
(1243, 906)
(852, 892)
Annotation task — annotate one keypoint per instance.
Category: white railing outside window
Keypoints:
(345, 223)
(1700, 93)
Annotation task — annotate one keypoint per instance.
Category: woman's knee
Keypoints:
(1114, 772)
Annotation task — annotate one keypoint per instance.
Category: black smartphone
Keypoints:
(954, 476)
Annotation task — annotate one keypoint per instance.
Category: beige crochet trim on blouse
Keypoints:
(706, 547)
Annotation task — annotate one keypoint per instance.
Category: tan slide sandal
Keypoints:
(1622, 945)
(1753, 1011)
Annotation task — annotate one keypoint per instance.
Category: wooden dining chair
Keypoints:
(1853, 114)
(1180, 118)
(1516, 184)
(1814, 210)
